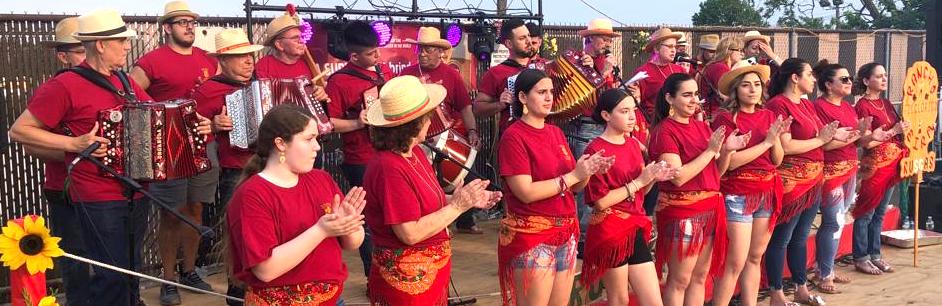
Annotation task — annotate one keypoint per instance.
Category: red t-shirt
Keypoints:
(456, 99)
(269, 67)
(173, 75)
(688, 140)
(652, 85)
(400, 190)
(346, 102)
(883, 113)
(494, 83)
(805, 123)
(71, 102)
(627, 167)
(210, 97)
(846, 116)
(758, 123)
(542, 154)
(54, 171)
(262, 216)
(709, 81)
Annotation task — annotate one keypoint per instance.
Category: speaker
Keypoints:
(930, 191)
(933, 11)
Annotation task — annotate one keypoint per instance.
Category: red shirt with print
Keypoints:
(173, 75)
(687, 140)
(543, 154)
(652, 85)
(346, 101)
(805, 123)
(627, 167)
(457, 98)
(269, 67)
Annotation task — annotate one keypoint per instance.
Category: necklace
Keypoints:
(669, 68)
(426, 178)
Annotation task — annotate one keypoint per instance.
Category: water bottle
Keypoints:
(907, 224)
(930, 225)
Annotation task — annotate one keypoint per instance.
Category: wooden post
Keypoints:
(916, 221)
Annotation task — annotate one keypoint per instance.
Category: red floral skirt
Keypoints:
(307, 294)
(410, 276)
(879, 171)
(802, 181)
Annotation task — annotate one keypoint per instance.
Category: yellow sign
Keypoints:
(920, 109)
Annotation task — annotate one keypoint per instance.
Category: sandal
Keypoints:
(788, 304)
(813, 300)
(867, 267)
(841, 279)
(826, 285)
(882, 265)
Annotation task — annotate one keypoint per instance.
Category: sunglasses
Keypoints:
(846, 79)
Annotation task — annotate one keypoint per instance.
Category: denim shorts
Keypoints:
(544, 256)
(735, 204)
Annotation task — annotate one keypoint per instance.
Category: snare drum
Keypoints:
(457, 147)
(441, 121)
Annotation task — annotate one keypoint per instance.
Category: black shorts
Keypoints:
(641, 254)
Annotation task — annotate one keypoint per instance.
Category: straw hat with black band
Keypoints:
(64, 30)
(175, 9)
(740, 68)
(660, 35)
(402, 100)
(102, 24)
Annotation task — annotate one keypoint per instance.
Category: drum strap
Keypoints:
(379, 81)
(101, 81)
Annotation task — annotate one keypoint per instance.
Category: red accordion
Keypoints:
(154, 141)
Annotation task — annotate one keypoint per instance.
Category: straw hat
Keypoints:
(102, 24)
(753, 35)
(234, 41)
(740, 68)
(683, 40)
(430, 36)
(277, 26)
(403, 99)
(660, 35)
(176, 8)
(709, 42)
(599, 26)
(64, 30)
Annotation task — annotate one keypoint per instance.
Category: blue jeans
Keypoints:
(867, 230)
(579, 133)
(354, 174)
(790, 237)
(105, 228)
(833, 215)
(63, 219)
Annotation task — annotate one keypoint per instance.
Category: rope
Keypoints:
(474, 296)
(147, 277)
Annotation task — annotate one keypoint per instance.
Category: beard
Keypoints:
(525, 53)
(182, 41)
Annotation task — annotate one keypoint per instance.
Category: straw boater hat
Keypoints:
(234, 41)
(683, 40)
(102, 24)
(599, 26)
(176, 8)
(277, 26)
(753, 35)
(660, 35)
(709, 42)
(403, 99)
(430, 36)
(64, 30)
(740, 68)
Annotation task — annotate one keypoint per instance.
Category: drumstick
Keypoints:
(318, 77)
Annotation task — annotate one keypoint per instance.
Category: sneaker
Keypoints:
(234, 291)
(193, 279)
(169, 295)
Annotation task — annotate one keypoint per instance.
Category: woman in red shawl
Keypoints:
(615, 245)
(537, 245)
(406, 209)
(690, 211)
(728, 52)
(879, 167)
(751, 186)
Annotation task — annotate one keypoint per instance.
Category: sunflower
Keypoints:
(48, 301)
(30, 244)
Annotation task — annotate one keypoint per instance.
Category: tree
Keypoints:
(860, 14)
(728, 13)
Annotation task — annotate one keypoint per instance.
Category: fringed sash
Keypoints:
(699, 214)
(520, 234)
(610, 239)
(879, 171)
(802, 180)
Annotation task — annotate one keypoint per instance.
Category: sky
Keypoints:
(628, 12)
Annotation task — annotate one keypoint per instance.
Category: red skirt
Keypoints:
(410, 276)
(307, 294)
(879, 171)
(610, 239)
(706, 213)
(520, 234)
(801, 182)
(762, 189)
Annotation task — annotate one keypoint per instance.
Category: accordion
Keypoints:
(247, 107)
(154, 141)
(574, 86)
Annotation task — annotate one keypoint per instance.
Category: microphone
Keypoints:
(615, 70)
(683, 57)
(87, 153)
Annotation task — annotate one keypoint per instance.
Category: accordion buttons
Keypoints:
(115, 116)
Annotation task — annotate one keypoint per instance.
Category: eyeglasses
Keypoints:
(428, 49)
(846, 79)
(735, 50)
(294, 38)
(186, 23)
(669, 46)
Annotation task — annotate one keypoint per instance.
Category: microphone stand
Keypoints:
(130, 187)
(439, 153)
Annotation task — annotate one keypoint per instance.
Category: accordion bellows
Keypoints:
(247, 107)
(154, 141)
(574, 87)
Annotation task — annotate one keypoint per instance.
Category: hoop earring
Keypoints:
(281, 157)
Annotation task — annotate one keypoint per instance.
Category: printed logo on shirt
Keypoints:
(326, 208)
(565, 150)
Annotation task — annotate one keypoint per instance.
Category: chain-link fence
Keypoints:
(24, 64)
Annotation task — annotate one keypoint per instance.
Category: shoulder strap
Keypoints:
(512, 64)
(100, 80)
(224, 80)
(353, 72)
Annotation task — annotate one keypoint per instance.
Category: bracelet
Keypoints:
(631, 195)
(563, 187)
